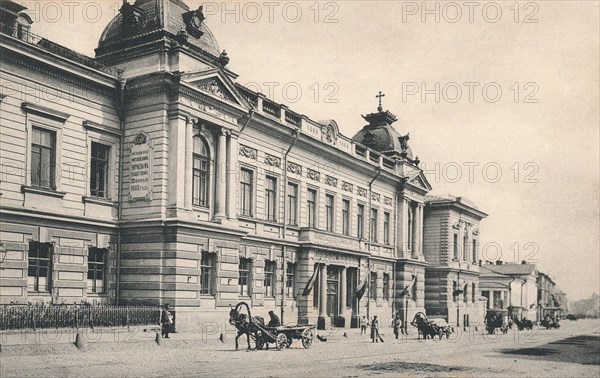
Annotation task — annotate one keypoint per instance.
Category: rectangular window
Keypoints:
(271, 198)
(360, 221)
(386, 228)
(246, 192)
(473, 297)
(292, 204)
(373, 285)
(99, 170)
(411, 225)
(329, 212)
(454, 294)
(373, 225)
(497, 300)
(206, 273)
(486, 294)
(312, 208)
(244, 280)
(96, 269)
(466, 247)
(200, 181)
(39, 271)
(346, 217)
(465, 293)
(474, 251)
(43, 158)
(456, 246)
(386, 286)
(270, 267)
(290, 280)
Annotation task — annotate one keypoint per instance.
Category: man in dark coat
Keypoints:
(166, 321)
(274, 322)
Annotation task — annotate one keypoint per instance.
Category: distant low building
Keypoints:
(511, 285)
(563, 303)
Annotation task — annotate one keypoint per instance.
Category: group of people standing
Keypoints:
(397, 325)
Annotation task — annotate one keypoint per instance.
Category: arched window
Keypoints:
(200, 173)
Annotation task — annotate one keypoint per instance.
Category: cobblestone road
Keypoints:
(574, 350)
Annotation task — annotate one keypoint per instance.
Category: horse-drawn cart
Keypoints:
(431, 327)
(255, 328)
(283, 336)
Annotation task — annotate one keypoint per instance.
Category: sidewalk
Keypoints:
(29, 342)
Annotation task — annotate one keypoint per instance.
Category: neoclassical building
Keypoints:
(147, 175)
(451, 250)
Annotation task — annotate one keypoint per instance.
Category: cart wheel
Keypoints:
(307, 338)
(281, 341)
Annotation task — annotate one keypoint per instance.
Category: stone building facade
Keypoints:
(451, 248)
(147, 175)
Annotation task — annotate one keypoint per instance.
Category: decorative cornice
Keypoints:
(387, 201)
(52, 72)
(332, 181)
(248, 152)
(313, 175)
(89, 125)
(272, 160)
(294, 168)
(376, 197)
(361, 191)
(348, 187)
(44, 111)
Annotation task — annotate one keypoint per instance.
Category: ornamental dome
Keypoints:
(382, 137)
(145, 18)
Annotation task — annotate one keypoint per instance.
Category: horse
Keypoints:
(244, 324)
(423, 327)
(524, 324)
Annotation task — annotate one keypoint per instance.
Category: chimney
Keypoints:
(480, 262)
(523, 262)
(498, 262)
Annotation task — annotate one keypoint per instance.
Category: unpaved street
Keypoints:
(574, 350)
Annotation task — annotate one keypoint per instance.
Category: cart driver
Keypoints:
(274, 322)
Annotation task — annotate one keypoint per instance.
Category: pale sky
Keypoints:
(546, 144)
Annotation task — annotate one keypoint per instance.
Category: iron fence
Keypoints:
(14, 317)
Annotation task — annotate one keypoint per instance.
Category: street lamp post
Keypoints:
(406, 299)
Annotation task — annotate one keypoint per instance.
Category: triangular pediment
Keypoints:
(420, 181)
(215, 84)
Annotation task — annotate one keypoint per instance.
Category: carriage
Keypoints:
(549, 322)
(497, 318)
(431, 327)
(255, 328)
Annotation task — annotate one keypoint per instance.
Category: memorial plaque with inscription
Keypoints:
(140, 169)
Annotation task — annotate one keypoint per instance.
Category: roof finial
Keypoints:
(379, 96)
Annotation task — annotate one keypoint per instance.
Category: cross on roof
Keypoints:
(379, 96)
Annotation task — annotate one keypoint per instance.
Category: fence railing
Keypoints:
(13, 317)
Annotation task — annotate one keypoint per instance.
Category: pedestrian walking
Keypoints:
(375, 330)
(397, 324)
(364, 323)
(166, 321)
